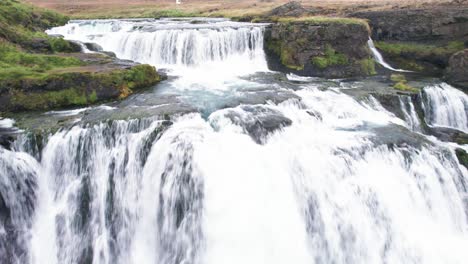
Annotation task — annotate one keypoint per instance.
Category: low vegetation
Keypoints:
(398, 48)
(331, 58)
(15, 63)
(39, 72)
(401, 84)
(320, 20)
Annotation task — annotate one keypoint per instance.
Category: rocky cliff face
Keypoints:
(457, 71)
(315, 46)
(421, 40)
(439, 24)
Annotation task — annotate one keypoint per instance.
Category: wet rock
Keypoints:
(93, 47)
(457, 71)
(395, 136)
(258, 121)
(462, 157)
(449, 135)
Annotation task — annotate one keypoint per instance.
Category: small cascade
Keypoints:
(175, 43)
(409, 111)
(379, 58)
(446, 106)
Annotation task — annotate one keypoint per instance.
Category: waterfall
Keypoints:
(319, 177)
(204, 191)
(409, 111)
(446, 106)
(379, 58)
(176, 43)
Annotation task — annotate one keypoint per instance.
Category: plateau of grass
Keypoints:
(15, 63)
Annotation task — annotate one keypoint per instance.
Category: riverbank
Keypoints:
(41, 72)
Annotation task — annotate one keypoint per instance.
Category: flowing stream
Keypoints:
(260, 170)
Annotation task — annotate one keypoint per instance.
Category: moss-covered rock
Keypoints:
(81, 86)
(320, 46)
(419, 57)
(462, 157)
(457, 71)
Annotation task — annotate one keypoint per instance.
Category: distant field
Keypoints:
(230, 8)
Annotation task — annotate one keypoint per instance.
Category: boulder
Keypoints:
(457, 70)
(291, 9)
(315, 46)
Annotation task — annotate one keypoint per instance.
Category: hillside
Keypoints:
(33, 63)
(229, 8)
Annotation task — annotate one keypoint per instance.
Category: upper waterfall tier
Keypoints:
(172, 43)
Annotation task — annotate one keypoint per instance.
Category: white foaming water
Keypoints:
(409, 111)
(304, 181)
(203, 191)
(446, 106)
(6, 122)
(196, 49)
(379, 58)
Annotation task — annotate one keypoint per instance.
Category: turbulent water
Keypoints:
(316, 177)
(447, 107)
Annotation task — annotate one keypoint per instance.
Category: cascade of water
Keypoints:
(446, 106)
(175, 44)
(379, 58)
(163, 194)
(303, 181)
(409, 111)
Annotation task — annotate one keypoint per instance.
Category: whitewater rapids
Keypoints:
(318, 178)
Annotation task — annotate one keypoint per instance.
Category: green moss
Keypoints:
(462, 157)
(398, 78)
(331, 58)
(285, 54)
(93, 97)
(368, 66)
(46, 100)
(173, 13)
(398, 48)
(319, 20)
(401, 84)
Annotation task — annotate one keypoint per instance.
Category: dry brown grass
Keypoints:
(228, 8)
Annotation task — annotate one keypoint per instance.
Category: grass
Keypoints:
(397, 49)
(368, 66)
(319, 20)
(401, 84)
(19, 64)
(331, 58)
(24, 25)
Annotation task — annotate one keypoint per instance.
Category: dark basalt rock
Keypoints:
(258, 121)
(457, 71)
(431, 24)
(330, 48)
(462, 157)
(93, 47)
(449, 135)
(293, 9)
